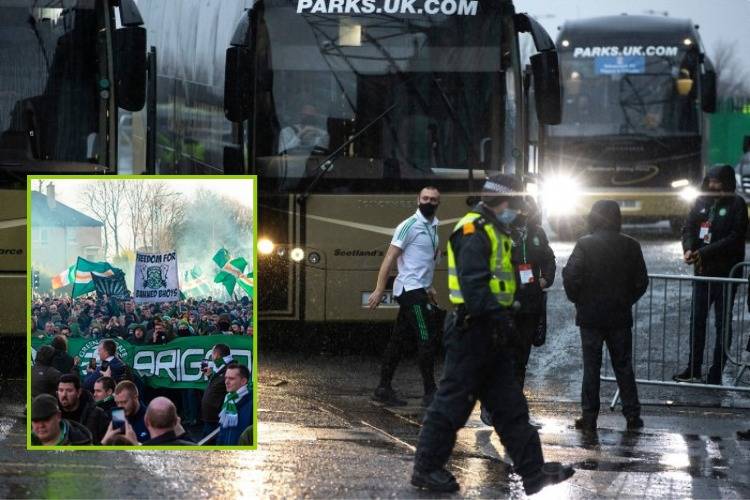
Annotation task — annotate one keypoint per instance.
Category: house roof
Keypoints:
(61, 216)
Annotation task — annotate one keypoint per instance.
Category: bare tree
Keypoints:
(733, 79)
(115, 196)
(94, 197)
(104, 199)
(162, 213)
(136, 202)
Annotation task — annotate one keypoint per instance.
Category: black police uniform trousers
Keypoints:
(620, 346)
(705, 294)
(415, 321)
(477, 366)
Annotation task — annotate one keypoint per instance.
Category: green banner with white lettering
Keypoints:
(175, 365)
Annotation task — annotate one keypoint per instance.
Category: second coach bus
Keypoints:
(636, 90)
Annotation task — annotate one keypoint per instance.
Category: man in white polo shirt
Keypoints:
(416, 248)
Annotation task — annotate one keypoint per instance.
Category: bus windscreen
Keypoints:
(625, 94)
(329, 76)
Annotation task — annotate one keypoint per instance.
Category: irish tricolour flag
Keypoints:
(65, 278)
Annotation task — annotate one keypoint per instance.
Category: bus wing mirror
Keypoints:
(237, 84)
(238, 73)
(708, 91)
(526, 24)
(130, 67)
(546, 70)
(547, 90)
(129, 13)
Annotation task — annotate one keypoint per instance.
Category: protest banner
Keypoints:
(174, 365)
(156, 277)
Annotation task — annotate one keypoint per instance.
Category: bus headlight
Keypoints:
(297, 254)
(689, 193)
(265, 246)
(560, 195)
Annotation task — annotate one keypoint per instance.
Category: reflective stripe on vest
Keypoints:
(503, 280)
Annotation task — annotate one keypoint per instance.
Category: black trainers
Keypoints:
(634, 423)
(551, 473)
(585, 424)
(387, 396)
(438, 480)
(688, 375)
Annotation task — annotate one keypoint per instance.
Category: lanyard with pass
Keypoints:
(705, 230)
(433, 239)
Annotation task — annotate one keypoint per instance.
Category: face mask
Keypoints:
(427, 209)
(507, 216)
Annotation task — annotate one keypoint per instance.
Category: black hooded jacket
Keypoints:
(44, 377)
(91, 416)
(727, 215)
(77, 435)
(606, 274)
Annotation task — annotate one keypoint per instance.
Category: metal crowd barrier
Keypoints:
(663, 330)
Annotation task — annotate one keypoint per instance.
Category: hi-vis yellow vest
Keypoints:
(503, 281)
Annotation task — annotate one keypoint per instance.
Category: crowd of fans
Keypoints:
(107, 317)
(70, 409)
(65, 412)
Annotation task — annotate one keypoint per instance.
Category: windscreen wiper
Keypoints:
(331, 158)
(474, 157)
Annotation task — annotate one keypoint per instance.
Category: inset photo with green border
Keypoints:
(142, 312)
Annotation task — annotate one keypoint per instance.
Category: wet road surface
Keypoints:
(321, 436)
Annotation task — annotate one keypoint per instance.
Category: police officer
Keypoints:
(482, 284)
(415, 247)
(534, 262)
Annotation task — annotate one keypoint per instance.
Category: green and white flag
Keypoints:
(83, 283)
(231, 269)
(246, 282)
(195, 285)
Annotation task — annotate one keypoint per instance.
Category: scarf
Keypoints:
(228, 416)
(105, 400)
(220, 363)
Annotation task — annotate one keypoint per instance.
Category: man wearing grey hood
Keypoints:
(605, 275)
(713, 240)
